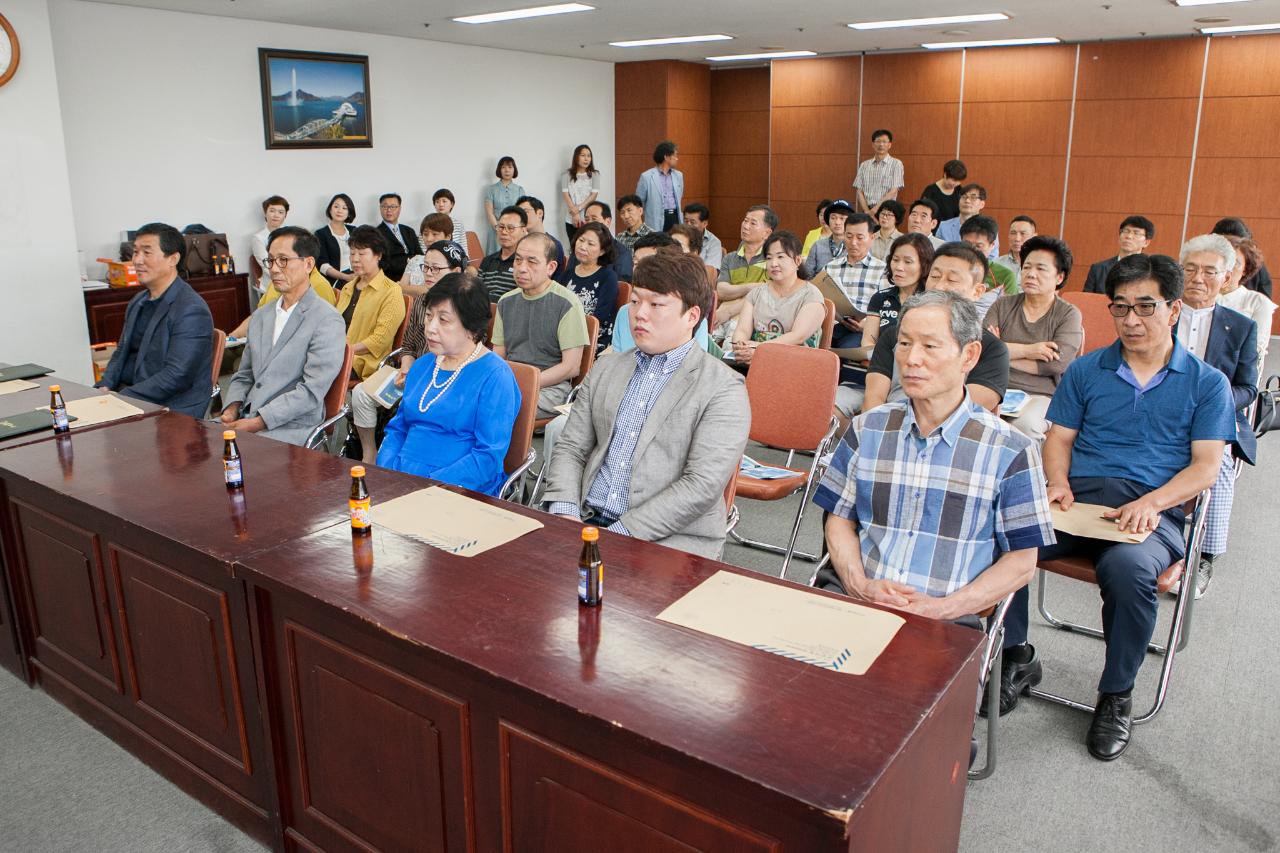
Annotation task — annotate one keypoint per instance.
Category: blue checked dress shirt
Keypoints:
(610, 491)
(933, 512)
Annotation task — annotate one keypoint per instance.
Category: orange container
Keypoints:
(119, 273)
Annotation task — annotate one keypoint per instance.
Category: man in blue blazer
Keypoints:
(661, 188)
(1227, 340)
(165, 353)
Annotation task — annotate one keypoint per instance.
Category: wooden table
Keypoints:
(419, 700)
(120, 565)
(226, 295)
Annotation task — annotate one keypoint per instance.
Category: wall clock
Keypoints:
(8, 50)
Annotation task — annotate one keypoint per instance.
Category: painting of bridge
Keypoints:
(315, 100)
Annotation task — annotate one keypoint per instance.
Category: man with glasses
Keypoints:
(495, 269)
(1136, 233)
(402, 243)
(1227, 340)
(293, 351)
(973, 198)
(1139, 426)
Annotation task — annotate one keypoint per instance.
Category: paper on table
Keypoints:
(15, 385)
(1086, 520)
(452, 522)
(826, 632)
(100, 410)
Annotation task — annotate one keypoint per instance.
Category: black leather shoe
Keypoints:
(1112, 723)
(1016, 679)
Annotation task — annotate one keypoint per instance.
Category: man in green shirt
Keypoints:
(743, 271)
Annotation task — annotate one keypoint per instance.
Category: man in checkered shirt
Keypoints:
(880, 178)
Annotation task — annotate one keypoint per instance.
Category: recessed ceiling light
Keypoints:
(925, 22)
(778, 54)
(516, 14)
(672, 40)
(1242, 28)
(948, 45)
(1206, 2)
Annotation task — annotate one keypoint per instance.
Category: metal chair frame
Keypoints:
(316, 439)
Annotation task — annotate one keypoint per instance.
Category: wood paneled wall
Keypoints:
(739, 147)
(656, 101)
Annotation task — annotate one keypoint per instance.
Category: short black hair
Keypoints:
(518, 212)
(703, 212)
(1062, 257)
(535, 203)
(664, 150)
(926, 203)
(861, 219)
(964, 252)
(171, 242)
(876, 134)
(984, 225)
(654, 240)
(550, 250)
(1139, 222)
(470, 301)
(955, 170)
(443, 192)
(822, 206)
(368, 237)
(305, 244)
(346, 199)
(895, 207)
(608, 253)
(1232, 226)
(1022, 217)
(515, 171)
(630, 199)
(275, 199)
(386, 196)
(979, 188)
(605, 210)
(770, 218)
(1162, 269)
(791, 244)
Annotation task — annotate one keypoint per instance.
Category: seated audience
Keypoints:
(743, 270)
(1136, 233)
(923, 219)
(498, 196)
(441, 258)
(371, 305)
(460, 400)
(435, 228)
(689, 238)
(274, 211)
(699, 216)
(1260, 281)
(579, 186)
(973, 198)
(495, 269)
(598, 211)
(293, 352)
(1043, 332)
(334, 260)
(536, 213)
(1251, 303)
(821, 231)
(591, 279)
(980, 232)
(541, 323)
(959, 269)
(889, 217)
(631, 218)
(443, 201)
(655, 434)
(826, 249)
(1139, 426)
(946, 201)
(318, 283)
(1227, 340)
(402, 244)
(1021, 229)
(787, 310)
(165, 352)
(859, 274)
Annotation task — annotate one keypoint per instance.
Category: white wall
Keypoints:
(43, 319)
(163, 116)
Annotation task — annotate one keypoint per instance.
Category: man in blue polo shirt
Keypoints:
(1139, 426)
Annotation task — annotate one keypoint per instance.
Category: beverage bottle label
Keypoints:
(60, 421)
(360, 513)
(231, 469)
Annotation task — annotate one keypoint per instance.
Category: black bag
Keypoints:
(1268, 414)
(200, 251)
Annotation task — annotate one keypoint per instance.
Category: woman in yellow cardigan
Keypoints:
(371, 304)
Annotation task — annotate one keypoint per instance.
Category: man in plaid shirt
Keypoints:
(880, 178)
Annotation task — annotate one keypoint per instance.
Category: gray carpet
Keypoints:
(1203, 776)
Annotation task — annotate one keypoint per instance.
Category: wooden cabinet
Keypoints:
(226, 295)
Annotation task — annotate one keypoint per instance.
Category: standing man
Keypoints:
(827, 249)
(699, 216)
(495, 269)
(661, 189)
(880, 178)
(973, 198)
(402, 243)
(165, 353)
(1021, 229)
(743, 270)
(1136, 233)
(293, 351)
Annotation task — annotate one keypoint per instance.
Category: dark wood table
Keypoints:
(422, 701)
(120, 562)
(226, 295)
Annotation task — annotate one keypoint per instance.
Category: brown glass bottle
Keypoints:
(590, 569)
(361, 525)
(232, 468)
(58, 408)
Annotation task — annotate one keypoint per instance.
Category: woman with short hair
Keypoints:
(371, 305)
(1237, 295)
(786, 310)
(443, 201)
(500, 195)
(334, 261)
(436, 227)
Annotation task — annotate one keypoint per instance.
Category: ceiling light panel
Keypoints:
(518, 14)
(978, 18)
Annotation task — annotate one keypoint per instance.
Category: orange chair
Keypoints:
(397, 343)
(792, 390)
(624, 294)
(219, 347)
(493, 315)
(335, 404)
(828, 325)
(475, 254)
(520, 454)
(1099, 325)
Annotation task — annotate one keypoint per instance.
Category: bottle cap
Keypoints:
(55, 388)
(229, 434)
(590, 534)
(357, 470)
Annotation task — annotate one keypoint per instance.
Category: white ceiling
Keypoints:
(756, 25)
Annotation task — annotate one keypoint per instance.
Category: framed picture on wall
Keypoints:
(315, 100)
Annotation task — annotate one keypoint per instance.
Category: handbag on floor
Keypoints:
(1268, 413)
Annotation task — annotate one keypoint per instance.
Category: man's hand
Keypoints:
(572, 518)
(885, 592)
(995, 330)
(851, 324)
(1060, 494)
(230, 414)
(254, 424)
(930, 606)
(1044, 351)
(743, 351)
(1140, 516)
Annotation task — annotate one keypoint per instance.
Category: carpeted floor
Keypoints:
(1203, 777)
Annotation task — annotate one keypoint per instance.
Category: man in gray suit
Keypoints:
(293, 351)
(655, 433)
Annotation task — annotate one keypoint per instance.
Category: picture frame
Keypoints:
(315, 100)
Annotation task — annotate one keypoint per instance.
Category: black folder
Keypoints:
(25, 422)
(23, 371)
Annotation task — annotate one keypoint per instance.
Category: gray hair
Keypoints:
(965, 326)
(1215, 243)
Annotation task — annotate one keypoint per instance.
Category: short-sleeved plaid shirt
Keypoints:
(933, 512)
(858, 279)
(877, 178)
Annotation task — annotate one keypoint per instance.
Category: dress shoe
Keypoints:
(1204, 574)
(1112, 723)
(1016, 679)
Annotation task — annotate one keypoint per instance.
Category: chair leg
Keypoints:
(795, 528)
(1074, 627)
(993, 713)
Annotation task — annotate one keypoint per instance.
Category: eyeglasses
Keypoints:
(388, 207)
(504, 227)
(434, 270)
(1133, 232)
(281, 262)
(1142, 309)
(971, 197)
(1191, 271)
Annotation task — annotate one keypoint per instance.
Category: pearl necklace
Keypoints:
(423, 405)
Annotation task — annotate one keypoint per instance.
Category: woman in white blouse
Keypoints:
(580, 186)
(1250, 303)
(274, 211)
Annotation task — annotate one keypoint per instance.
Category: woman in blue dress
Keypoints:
(500, 195)
(460, 400)
(592, 279)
